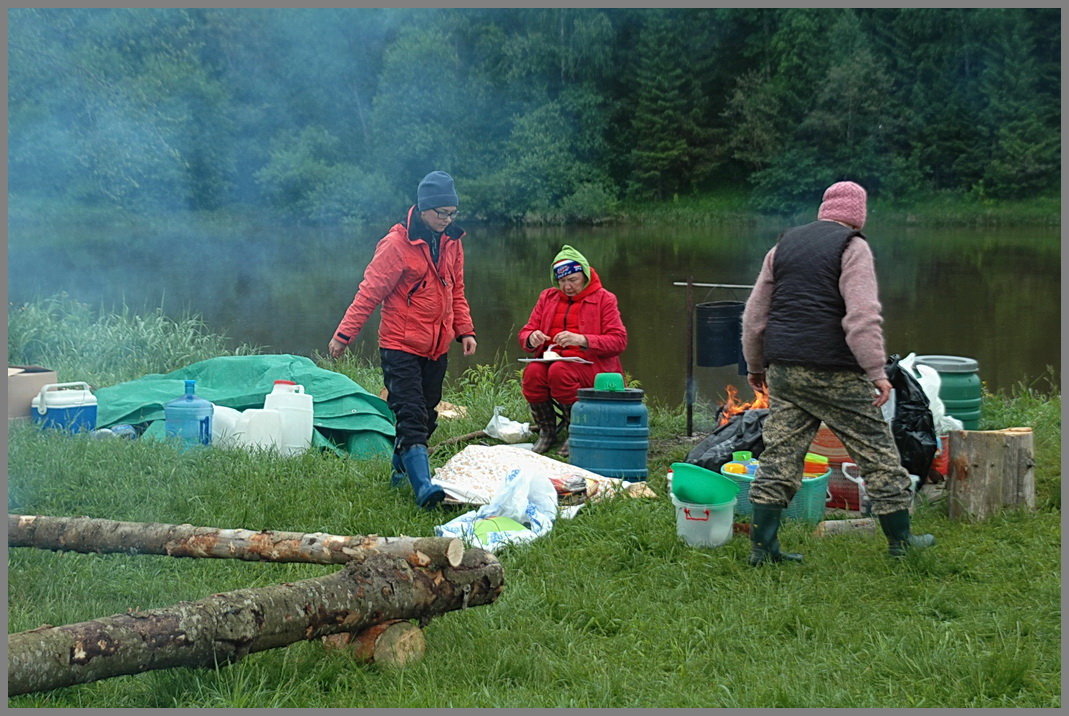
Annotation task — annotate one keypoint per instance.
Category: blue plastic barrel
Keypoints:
(610, 433)
(189, 418)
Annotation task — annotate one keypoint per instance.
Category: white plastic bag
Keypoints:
(526, 497)
(502, 428)
(930, 382)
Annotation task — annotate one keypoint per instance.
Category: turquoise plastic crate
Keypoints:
(808, 503)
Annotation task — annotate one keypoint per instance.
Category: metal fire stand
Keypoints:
(690, 283)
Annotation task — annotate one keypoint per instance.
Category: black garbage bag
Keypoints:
(912, 424)
(742, 432)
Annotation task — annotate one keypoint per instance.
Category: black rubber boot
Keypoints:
(899, 539)
(763, 541)
(562, 428)
(546, 420)
(418, 467)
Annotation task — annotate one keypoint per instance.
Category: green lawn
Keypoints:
(610, 609)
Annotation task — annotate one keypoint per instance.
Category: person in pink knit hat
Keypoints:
(812, 337)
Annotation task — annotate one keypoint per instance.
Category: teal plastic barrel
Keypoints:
(610, 433)
(959, 387)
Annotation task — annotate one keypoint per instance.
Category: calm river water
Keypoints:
(989, 294)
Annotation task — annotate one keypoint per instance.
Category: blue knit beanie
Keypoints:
(436, 190)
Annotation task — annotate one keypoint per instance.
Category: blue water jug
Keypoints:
(189, 418)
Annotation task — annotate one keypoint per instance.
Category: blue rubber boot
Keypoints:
(418, 467)
(398, 476)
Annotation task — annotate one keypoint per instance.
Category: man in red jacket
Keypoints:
(417, 275)
(576, 319)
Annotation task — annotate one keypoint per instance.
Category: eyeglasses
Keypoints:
(446, 214)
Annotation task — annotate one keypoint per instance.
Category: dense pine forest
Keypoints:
(562, 114)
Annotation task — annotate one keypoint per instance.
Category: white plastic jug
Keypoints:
(863, 496)
(295, 408)
(225, 426)
(259, 428)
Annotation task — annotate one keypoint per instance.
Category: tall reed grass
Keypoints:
(610, 609)
(101, 348)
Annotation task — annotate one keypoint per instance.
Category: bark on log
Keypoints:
(225, 627)
(861, 525)
(990, 469)
(86, 534)
(393, 643)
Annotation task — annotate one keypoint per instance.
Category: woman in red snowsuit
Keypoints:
(576, 318)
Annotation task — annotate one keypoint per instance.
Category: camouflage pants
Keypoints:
(799, 399)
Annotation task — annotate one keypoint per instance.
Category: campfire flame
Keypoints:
(733, 406)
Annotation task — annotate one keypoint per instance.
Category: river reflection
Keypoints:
(989, 294)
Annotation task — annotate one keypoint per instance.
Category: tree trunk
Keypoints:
(990, 469)
(223, 628)
(86, 534)
(393, 643)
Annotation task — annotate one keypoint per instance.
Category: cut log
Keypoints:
(87, 534)
(989, 470)
(861, 525)
(225, 627)
(391, 643)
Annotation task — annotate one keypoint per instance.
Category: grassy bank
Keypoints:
(732, 206)
(610, 609)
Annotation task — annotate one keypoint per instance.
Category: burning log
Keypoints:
(86, 534)
(990, 469)
(225, 627)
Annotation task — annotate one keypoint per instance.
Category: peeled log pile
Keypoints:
(990, 469)
(225, 627)
(86, 534)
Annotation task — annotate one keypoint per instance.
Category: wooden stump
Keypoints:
(392, 643)
(989, 470)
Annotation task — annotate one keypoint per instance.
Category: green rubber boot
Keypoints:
(763, 541)
(895, 527)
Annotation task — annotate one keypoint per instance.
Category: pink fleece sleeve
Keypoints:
(755, 317)
(863, 322)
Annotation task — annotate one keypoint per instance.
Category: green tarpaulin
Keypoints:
(345, 416)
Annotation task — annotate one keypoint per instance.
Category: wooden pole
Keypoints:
(689, 352)
(223, 628)
(87, 534)
(989, 470)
